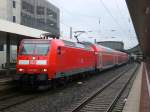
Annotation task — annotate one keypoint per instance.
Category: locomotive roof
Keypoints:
(77, 45)
(83, 45)
(33, 41)
(86, 46)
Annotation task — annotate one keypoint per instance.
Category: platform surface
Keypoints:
(139, 96)
(133, 100)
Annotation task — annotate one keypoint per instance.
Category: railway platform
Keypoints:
(4, 73)
(139, 96)
(6, 77)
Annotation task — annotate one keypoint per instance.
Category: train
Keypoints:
(42, 61)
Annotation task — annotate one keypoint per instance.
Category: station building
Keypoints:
(38, 14)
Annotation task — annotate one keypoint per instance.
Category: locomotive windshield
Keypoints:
(34, 49)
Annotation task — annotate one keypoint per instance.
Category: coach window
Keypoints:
(14, 19)
(14, 4)
(1, 47)
(59, 50)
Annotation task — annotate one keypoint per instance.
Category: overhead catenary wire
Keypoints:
(120, 12)
(68, 12)
(128, 21)
(78, 13)
(123, 16)
(109, 12)
(122, 31)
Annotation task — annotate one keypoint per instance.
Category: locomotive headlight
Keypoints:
(20, 70)
(45, 70)
(33, 58)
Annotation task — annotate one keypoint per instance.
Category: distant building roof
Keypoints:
(6, 26)
(117, 45)
(110, 41)
(136, 49)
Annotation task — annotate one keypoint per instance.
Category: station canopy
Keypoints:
(140, 14)
(9, 27)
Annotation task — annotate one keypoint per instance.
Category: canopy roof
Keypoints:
(6, 26)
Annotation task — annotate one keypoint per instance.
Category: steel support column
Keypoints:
(7, 51)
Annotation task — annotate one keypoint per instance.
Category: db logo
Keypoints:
(32, 62)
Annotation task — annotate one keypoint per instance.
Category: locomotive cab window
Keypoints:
(59, 50)
(34, 49)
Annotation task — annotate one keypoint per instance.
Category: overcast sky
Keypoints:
(107, 19)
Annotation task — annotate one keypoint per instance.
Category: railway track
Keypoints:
(105, 98)
(118, 107)
(13, 99)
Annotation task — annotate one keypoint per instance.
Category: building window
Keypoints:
(14, 4)
(1, 47)
(51, 24)
(27, 20)
(14, 19)
(51, 13)
(27, 7)
(40, 10)
(41, 21)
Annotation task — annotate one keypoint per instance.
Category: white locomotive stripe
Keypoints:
(41, 62)
(147, 80)
(23, 62)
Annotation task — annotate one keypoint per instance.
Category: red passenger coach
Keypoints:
(107, 58)
(41, 61)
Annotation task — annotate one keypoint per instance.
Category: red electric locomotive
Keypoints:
(40, 61)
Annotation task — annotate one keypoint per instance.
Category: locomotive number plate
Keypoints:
(32, 70)
(32, 62)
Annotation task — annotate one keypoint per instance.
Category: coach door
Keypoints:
(99, 63)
